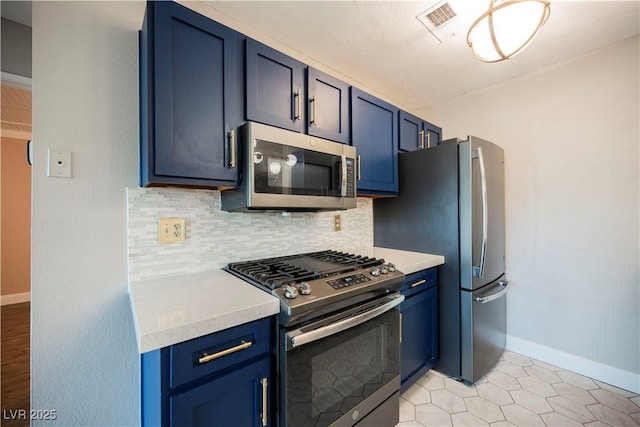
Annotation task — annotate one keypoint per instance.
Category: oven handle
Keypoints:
(297, 338)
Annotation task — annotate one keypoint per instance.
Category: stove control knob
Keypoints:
(375, 271)
(384, 269)
(290, 292)
(304, 288)
(391, 267)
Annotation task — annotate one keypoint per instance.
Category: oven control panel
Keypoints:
(343, 282)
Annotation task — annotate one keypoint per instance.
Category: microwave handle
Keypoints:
(233, 161)
(343, 186)
(297, 338)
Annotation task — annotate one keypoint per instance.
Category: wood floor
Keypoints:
(14, 374)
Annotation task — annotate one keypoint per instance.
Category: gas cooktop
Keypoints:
(319, 281)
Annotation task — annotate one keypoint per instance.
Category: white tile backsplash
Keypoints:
(215, 237)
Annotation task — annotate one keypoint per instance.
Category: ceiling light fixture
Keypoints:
(506, 28)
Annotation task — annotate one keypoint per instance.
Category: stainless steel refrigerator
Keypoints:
(451, 203)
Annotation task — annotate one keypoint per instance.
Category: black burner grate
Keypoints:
(274, 272)
(344, 258)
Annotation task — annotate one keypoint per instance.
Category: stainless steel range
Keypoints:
(338, 336)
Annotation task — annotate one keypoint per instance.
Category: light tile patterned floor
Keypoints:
(519, 391)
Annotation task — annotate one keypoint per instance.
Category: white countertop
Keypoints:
(174, 309)
(407, 262)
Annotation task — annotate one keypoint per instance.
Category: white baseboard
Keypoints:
(596, 370)
(15, 298)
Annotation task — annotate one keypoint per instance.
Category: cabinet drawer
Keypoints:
(200, 357)
(419, 281)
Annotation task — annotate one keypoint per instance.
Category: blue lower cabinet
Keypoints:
(419, 347)
(222, 379)
(239, 398)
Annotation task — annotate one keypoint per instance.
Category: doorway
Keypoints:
(15, 212)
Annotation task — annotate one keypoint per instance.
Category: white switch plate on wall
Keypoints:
(59, 163)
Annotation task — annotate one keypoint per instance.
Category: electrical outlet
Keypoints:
(171, 230)
(337, 222)
(59, 164)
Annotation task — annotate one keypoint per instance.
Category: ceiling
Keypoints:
(383, 47)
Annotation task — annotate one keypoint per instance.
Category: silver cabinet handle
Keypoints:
(297, 338)
(209, 357)
(421, 139)
(233, 162)
(314, 111)
(263, 415)
(418, 283)
(479, 271)
(428, 139)
(493, 297)
(400, 333)
(359, 167)
(298, 107)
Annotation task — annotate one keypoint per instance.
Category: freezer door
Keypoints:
(482, 238)
(483, 328)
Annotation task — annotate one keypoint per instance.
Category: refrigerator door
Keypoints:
(483, 328)
(482, 241)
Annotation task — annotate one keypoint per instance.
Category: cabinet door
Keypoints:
(419, 335)
(375, 135)
(433, 134)
(275, 88)
(416, 134)
(189, 84)
(411, 132)
(328, 107)
(239, 398)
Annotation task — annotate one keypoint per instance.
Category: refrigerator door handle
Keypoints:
(479, 270)
(495, 296)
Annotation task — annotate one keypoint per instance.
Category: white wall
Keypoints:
(84, 362)
(571, 140)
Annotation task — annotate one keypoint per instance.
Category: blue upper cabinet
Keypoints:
(275, 88)
(374, 126)
(416, 134)
(190, 98)
(328, 107)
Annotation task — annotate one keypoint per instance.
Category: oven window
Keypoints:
(281, 169)
(325, 379)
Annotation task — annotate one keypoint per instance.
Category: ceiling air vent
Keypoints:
(437, 18)
(441, 15)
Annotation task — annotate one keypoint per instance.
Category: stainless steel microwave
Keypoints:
(290, 171)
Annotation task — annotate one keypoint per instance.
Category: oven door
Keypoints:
(336, 371)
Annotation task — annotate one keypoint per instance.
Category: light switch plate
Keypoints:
(59, 163)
